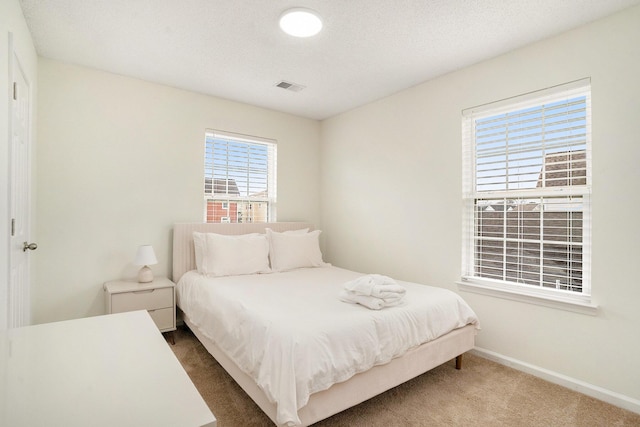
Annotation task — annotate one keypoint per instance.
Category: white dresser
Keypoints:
(104, 371)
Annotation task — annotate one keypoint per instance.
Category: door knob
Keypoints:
(29, 246)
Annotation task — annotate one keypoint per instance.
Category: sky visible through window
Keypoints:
(511, 147)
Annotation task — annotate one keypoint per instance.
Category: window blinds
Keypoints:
(240, 174)
(526, 188)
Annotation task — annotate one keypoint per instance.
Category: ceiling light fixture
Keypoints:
(300, 22)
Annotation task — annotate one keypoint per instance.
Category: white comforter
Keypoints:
(292, 334)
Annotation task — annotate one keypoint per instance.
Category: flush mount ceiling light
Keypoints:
(300, 22)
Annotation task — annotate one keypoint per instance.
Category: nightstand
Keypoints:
(157, 297)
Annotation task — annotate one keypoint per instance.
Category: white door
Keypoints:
(18, 295)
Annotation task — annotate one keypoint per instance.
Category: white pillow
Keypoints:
(226, 255)
(288, 251)
(298, 231)
(200, 248)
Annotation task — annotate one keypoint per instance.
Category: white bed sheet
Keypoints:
(291, 333)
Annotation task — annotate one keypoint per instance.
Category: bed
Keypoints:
(267, 333)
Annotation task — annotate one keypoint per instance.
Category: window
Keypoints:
(526, 190)
(239, 178)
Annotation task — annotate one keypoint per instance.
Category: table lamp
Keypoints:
(145, 257)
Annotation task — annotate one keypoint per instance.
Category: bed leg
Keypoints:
(459, 362)
(171, 338)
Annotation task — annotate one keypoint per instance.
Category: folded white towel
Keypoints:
(368, 301)
(374, 291)
(392, 300)
(375, 285)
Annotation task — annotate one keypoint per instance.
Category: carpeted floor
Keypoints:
(483, 393)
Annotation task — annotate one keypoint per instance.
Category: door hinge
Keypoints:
(15, 91)
(13, 227)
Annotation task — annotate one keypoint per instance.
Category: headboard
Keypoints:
(184, 258)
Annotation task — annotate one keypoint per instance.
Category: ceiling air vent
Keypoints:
(293, 87)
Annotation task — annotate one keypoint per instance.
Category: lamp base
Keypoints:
(145, 275)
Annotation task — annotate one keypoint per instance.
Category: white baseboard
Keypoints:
(591, 390)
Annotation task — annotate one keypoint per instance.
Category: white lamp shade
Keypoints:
(145, 256)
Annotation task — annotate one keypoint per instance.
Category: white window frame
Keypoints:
(472, 281)
(250, 180)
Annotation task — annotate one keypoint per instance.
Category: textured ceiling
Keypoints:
(234, 49)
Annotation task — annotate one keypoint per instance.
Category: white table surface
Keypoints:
(114, 370)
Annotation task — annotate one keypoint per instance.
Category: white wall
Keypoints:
(121, 161)
(391, 197)
(12, 21)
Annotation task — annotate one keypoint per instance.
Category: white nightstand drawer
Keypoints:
(150, 299)
(163, 318)
(157, 297)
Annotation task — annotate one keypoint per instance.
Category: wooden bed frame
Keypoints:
(338, 397)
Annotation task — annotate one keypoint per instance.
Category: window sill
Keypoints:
(530, 297)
